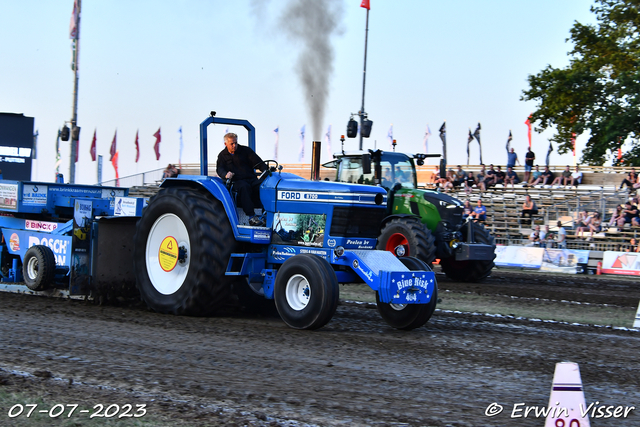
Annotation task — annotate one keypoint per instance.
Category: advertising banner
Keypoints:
(298, 229)
(518, 256)
(627, 263)
(563, 260)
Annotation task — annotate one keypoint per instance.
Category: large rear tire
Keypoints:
(39, 267)
(306, 292)
(410, 233)
(183, 243)
(474, 270)
(409, 316)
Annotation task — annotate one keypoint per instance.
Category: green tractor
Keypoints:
(421, 223)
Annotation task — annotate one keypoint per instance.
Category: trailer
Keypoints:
(190, 246)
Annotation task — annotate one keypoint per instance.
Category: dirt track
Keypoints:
(251, 370)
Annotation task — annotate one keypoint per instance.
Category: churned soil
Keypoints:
(244, 369)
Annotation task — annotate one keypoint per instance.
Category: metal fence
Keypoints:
(146, 178)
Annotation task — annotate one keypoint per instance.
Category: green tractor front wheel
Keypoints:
(408, 237)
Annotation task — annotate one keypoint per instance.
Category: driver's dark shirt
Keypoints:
(240, 163)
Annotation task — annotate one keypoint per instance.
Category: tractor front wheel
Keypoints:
(409, 233)
(409, 316)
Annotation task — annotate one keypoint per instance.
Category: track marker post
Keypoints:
(636, 323)
(567, 407)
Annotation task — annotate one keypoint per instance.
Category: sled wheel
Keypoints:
(409, 316)
(39, 267)
(409, 232)
(183, 243)
(474, 270)
(306, 292)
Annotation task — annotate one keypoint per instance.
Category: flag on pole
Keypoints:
(137, 148)
(77, 142)
(443, 137)
(73, 25)
(181, 147)
(156, 146)
(509, 139)
(275, 148)
(425, 141)
(92, 150)
(301, 152)
(114, 162)
(476, 135)
(328, 138)
(390, 136)
(620, 150)
(365, 4)
(528, 123)
(34, 154)
(112, 151)
(58, 160)
(469, 139)
(549, 153)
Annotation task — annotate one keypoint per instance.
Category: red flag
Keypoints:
(137, 148)
(528, 123)
(573, 143)
(365, 4)
(73, 25)
(114, 162)
(113, 151)
(156, 146)
(92, 150)
(620, 150)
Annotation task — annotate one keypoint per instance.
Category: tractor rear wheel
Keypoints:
(409, 316)
(183, 243)
(306, 292)
(410, 233)
(39, 267)
(473, 270)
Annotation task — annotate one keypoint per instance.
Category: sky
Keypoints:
(166, 64)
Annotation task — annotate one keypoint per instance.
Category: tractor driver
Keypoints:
(236, 163)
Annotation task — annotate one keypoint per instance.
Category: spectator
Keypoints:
(528, 208)
(499, 176)
(489, 177)
(479, 212)
(584, 218)
(535, 175)
(480, 179)
(576, 177)
(544, 235)
(617, 214)
(632, 178)
(529, 158)
(170, 172)
(550, 239)
(511, 177)
(451, 179)
(563, 179)
(545, 178)
(633, 246)
(469, 182)
(628, 214)
(595, 225)
(460, 177)
(562, 236)
(534, 237)
(512, 158)
(467, 209)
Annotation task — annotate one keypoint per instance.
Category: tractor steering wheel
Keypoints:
(267, 171)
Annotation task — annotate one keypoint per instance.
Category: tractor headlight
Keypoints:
(338, 252)
(400, 251)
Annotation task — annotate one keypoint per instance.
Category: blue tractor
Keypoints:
(193, 246)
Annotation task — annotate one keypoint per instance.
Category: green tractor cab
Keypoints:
(425, 224)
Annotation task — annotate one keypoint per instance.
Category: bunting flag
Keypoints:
(58, 157)
(73, 25)
(620, 160)
(181, 147)
(112, 151)
(301, 152)
(92, 150)
(469, 139)
(425, 140)
(549, 153)
(476, 135)
(34, 154)
(443, 137)
(509, 139)
(328, 139)
(528, 123)
(365, 4)
(114, 162)
(390, 136)
(137, 148)
(275, 148)
(156, 146)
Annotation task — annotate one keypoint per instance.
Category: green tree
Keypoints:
(599, 92)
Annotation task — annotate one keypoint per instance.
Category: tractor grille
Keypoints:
(356, 221)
